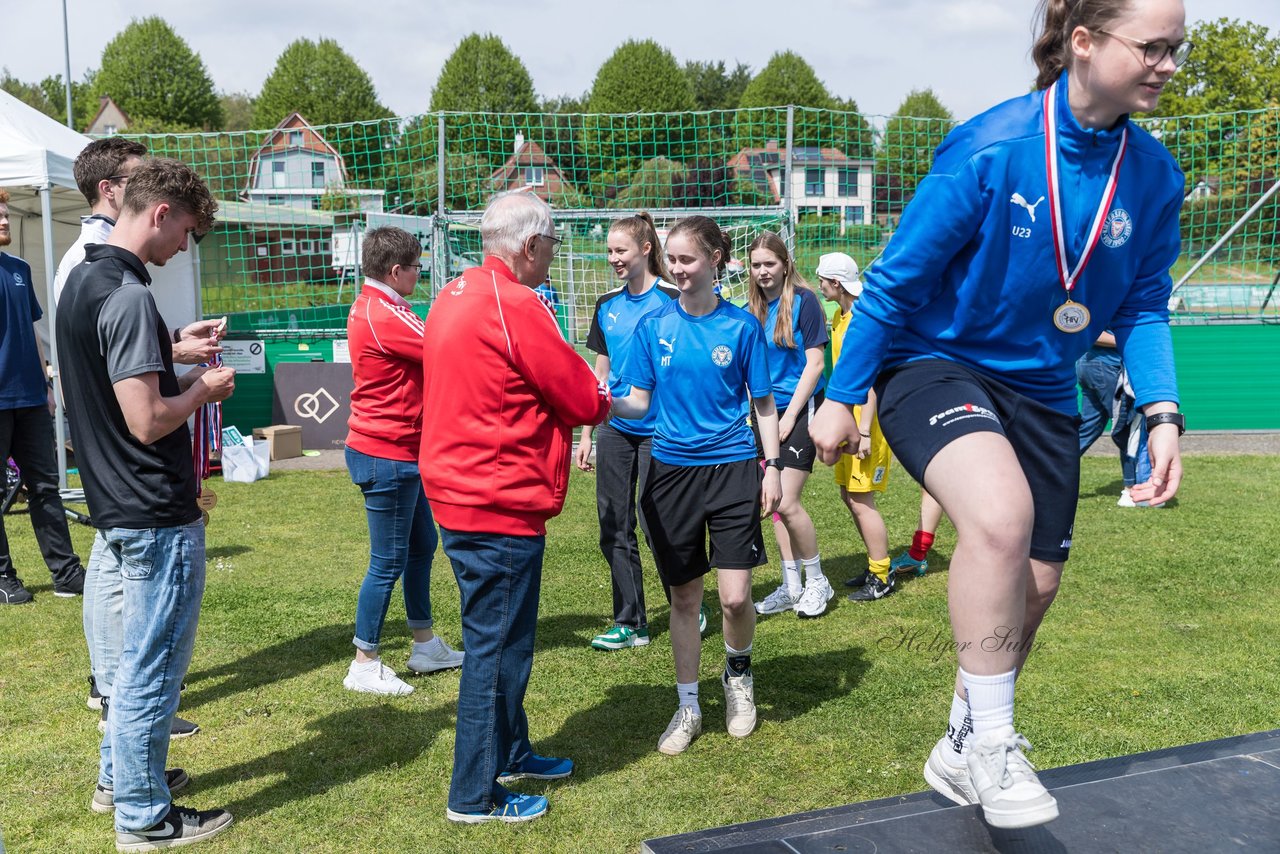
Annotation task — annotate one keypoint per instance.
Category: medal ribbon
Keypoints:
(207, 435)
(1069, 279)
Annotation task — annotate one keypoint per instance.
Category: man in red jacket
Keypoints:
(502, 392)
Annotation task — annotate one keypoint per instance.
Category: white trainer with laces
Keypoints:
(813, 601)
(950, 781)
(739, 704)
(375, 679)
(776, 602)
(434, 655)
(685, 726)
(1005, 781)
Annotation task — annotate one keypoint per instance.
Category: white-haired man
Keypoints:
(502, 392)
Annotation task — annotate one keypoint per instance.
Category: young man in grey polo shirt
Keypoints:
(128, 412)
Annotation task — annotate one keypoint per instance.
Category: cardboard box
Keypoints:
(284, 440)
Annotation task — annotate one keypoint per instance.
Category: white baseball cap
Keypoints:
(839, 267)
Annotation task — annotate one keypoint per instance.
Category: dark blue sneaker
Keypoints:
(509, 807)
(538, 768)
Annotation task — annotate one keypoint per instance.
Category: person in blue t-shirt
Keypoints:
(700, 363)
(622, 445)
(26, 429)
(1042, 222)
(796, 340)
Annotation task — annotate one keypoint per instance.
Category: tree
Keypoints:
(151, 73)
(787, 79)
(640, 76)
(640, 80)
(30, 94)
(906, 150)
(713, 87)
(482, 75)
(651, 185)
(820, 120)
(1235, 66)
(237, 111)
(322, 82)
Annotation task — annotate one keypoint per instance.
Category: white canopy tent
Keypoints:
(36, 157)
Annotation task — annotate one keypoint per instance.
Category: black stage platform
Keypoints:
(1214, 796)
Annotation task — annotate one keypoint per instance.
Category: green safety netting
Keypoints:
(295, 200)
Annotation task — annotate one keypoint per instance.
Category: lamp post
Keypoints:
(66, 45)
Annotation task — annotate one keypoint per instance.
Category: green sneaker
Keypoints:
(621, 637)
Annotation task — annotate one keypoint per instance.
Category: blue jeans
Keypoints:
(1097, 371)
(402, 541)
(103, 613)
(162, 573)
(500, 578)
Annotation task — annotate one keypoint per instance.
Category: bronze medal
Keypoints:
(208, 499)
(1071, 317)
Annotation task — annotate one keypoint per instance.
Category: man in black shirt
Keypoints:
(128, 413)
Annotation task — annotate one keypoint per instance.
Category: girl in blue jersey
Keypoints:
(1042, 222)
(700, 363)
(622, 445)
(796, 342)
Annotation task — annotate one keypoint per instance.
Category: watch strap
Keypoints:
(1176, 418)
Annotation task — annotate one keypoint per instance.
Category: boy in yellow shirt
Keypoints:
(864, 473)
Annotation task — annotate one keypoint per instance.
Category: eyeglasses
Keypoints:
(1154, 53)
(123, 179)
(556, 241)
(417, 267)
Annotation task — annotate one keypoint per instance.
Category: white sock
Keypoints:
(688, 694)
(812, 568)
(990, 700)
(791, 576)
(368, 665)
(425, 645)
(958, 729)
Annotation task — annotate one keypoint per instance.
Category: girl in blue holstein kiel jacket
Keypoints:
(1043, 221)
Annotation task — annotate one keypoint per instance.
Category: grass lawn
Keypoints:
(1164, 633)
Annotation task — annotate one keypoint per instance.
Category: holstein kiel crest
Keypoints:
(1117, 229)
(722, 355)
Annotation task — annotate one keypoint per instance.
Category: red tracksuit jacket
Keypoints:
(385, 338)
(502, 392)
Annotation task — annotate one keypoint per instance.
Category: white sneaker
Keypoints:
(813, 601)
(739, 705)
(950, 781)
(1008, 789)
(685, 726)
(434, 655)
(1125, 499)
(378, 679)
(776, 602)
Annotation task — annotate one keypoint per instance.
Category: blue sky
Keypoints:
(973, 53)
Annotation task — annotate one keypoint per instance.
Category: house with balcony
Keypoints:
(530, 169)
(822, 180)
(296, 167)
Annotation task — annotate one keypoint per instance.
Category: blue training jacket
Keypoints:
(970, 273)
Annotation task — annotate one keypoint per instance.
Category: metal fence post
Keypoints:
(789, 181)
(439, 228)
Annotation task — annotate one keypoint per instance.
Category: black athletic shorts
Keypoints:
(797, 451)
(683, 504)
(926, 405)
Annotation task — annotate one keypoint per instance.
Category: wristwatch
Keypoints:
(776, 462)
(1167, 418)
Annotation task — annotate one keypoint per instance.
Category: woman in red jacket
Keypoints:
(385, 429)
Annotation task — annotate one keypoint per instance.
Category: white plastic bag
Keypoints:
(246, 463)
